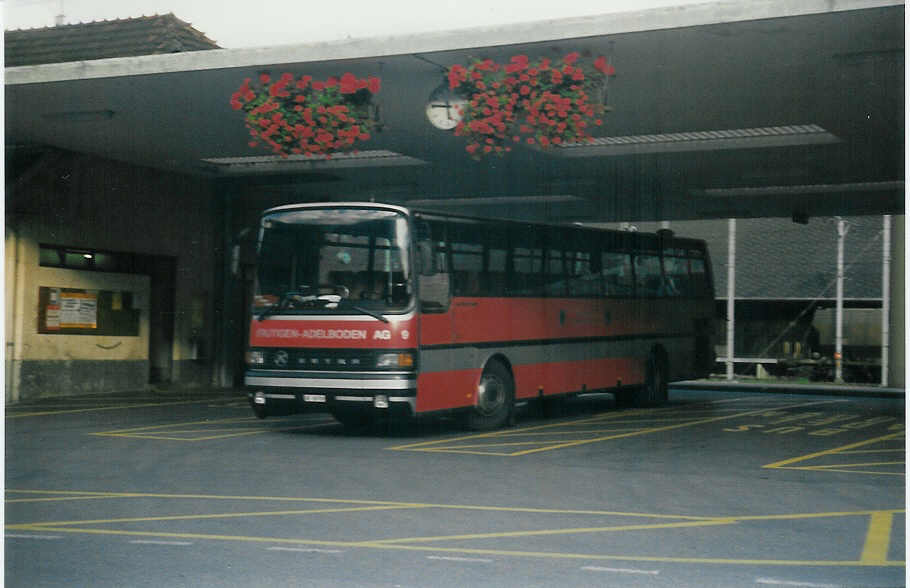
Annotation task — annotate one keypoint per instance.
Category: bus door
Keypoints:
(434, 283)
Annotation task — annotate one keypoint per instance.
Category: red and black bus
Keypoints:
(367, 309)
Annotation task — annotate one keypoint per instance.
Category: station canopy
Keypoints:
(748, 109)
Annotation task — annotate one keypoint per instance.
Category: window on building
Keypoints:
(86, 259)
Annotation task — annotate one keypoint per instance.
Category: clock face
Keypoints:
(445, 112)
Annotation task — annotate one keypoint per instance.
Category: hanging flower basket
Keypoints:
(306, 116)
(542, 103)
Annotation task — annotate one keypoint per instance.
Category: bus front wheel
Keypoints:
(495, 394)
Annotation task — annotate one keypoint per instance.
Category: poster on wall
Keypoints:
(52, 311)
(78, 310)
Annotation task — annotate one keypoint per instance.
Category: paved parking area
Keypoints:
(715, 488)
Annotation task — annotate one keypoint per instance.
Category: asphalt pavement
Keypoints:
(716, 488)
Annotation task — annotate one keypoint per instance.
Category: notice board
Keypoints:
(74, 311)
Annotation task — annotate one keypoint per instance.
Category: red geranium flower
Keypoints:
(288, 127)
(513, 101)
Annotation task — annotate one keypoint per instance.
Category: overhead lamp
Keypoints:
(273, 163)
(801, 189)
(749, 138)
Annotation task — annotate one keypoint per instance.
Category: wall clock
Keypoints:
(444, 108)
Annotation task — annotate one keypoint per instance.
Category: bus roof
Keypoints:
(661, 235)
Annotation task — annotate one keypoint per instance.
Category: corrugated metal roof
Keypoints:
(129, 37)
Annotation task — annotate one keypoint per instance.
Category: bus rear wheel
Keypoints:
(495, 399)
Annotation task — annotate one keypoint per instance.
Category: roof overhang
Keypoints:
(751, 100)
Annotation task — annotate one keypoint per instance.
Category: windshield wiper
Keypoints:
(376, 315)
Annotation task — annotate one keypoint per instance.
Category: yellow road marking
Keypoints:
(573, 432)
(787, 463)
(55, 499)
(471, 551)
(168, 432)
(651, 430)
(543, 532)
(856, 465)
(187, 535)
(878, 538)
(183, 424)
(835, 470)
(415, 446)
(813, 515)
(197, 431)
(528, 510)
(207, 438)
(19, 415)
(231, 515)
(451, 445)
(508, 444)
(875, 551)
(427, 505)
(643, 558)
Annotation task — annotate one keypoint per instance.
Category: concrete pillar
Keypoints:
(898, 344)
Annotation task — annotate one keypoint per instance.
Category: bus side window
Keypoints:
(497, 264)
(617, 273)
(648, 277)
(583, 280)
(555, 278)
(676, 275)
(526, 278)
(466, 244)
(527, 264)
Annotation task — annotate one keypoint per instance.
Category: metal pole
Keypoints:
(839, 314)
(886, 295)
(731, 293)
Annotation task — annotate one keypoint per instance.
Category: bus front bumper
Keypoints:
(295, 392)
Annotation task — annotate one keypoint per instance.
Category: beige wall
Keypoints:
(85, 347)
(76, 200)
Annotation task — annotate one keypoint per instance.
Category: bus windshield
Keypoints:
(333, 260)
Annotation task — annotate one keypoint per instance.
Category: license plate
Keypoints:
(314, 397)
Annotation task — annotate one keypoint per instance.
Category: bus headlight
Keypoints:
(395, 360)
(254, 357)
